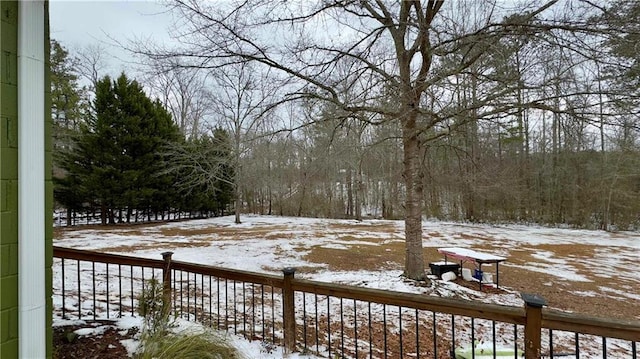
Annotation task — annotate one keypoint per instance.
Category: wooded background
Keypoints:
(531, 116)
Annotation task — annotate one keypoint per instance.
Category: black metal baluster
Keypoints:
(550, 344)
(119, 290)
(63, 295)
(273, 316)
(355, 326)
(244, 310)
(473, 339)
(329, 324)
(226, 304)
(577, 346)
(604, 347)
(316, 324)
(131, 283)
(304, 320)
(188, 297)
(515, 341)
(453, 335)
(634, 351)
(235, 310)
(370, 331)
(93, 287)
(493, 337)
(341, 329)
(435, 337)
(210, 306)
(262, 304)
(181, 283)
(174, 295)
(202, 297)
(202, 312)
(79, 296)
(195, 296)
(143, 280)
(400, 325)
(218, 310)
(417, 335)
(253, 311)
(384, 329)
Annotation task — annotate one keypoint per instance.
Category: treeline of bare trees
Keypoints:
(341, 169)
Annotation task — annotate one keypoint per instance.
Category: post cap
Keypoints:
(166, 254)
(289, 270)
(533, 300)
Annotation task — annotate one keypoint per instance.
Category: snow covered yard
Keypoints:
(588, 272)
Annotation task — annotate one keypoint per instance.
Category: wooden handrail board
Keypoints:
(619, 329)
(91, 256)
(232, 274)
(466, 308)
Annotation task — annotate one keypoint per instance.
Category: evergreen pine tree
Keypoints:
(116, 161)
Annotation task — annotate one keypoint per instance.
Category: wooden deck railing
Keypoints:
(330, 319)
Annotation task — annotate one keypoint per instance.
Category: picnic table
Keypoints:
(479, 258)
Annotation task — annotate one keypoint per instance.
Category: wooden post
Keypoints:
(166, 284)
(288, 311)
(533, 325)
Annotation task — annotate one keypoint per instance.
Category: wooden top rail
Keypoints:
(233, 274)
(416, 301)
(570, 322)
(467, 308)
(91, 256)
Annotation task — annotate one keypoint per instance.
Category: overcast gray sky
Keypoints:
(77, 24)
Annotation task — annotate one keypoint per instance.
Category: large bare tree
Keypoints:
(409, 52)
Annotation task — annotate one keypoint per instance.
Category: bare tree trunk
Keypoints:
(348, 181)
(238, 204)
(103, 214)
(358, 199)
(414, 257)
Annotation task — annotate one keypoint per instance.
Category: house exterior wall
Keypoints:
(9, 311)
(9, 179)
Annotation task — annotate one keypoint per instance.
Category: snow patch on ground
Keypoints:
(293, 238)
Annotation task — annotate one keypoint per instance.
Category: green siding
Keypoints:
(8, 179)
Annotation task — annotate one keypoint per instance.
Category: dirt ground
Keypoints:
(67, 345)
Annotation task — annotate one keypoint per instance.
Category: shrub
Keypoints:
(158, 341)
(187, 345)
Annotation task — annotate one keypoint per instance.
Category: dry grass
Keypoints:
(222, 232)
(358, 257)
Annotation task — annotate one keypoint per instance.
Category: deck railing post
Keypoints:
(288, 310)
(166, 284)
(533, 325)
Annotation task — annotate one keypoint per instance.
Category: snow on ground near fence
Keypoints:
(291, 239)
